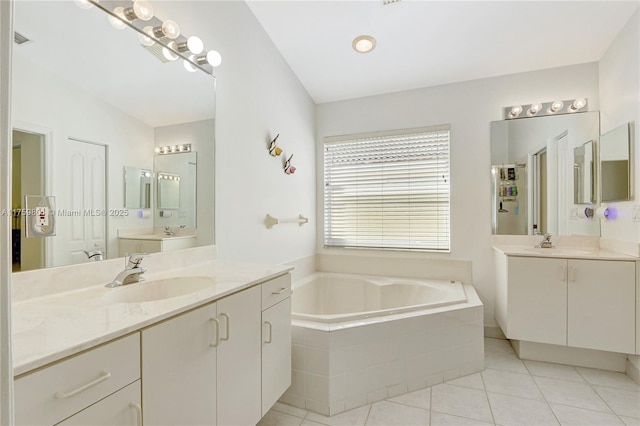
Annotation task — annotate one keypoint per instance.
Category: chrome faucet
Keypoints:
(546, 242)
(132, 272)
(168, 231)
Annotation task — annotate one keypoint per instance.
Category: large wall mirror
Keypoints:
(87, 101)
(543, 174)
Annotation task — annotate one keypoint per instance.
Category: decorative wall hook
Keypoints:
(273, 147)
(288, 168)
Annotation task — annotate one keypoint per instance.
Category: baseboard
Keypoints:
(590, 358)
(494, 333)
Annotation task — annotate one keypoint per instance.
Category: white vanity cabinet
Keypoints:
(57, 392)
(207, 366)
(572, 302)
(276, 340)
(179, 369)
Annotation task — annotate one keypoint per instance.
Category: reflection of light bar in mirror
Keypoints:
(172, 149)
(152, 30)
(167, 176)
(546, 108)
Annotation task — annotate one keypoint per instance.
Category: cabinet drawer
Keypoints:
(275, 290)
(121, 408)
(54, 393)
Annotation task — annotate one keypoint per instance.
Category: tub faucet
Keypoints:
(132, 272)
(546, 242)
(168, 231)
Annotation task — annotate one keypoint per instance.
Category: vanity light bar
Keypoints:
(172, 149)
(167, 176)
(171, 43)
(546, 108)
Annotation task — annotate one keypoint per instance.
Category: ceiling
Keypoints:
(429, 43)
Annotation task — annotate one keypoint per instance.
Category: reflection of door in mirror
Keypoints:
(540, 181)
(83, 226)
(28, 179)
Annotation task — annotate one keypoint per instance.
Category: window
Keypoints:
(388, 190)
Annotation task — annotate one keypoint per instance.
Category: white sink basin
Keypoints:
(149, 291)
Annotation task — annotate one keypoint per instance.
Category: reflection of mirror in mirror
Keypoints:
(137, 188)
(545, 145)
(584, 174)
(102, 89)
(168, 191)
(176, 190)
(614, 164)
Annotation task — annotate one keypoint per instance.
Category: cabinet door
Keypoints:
(276, 352)
(120, 408)
(132, 245)
(602, 305)
(239, 377)
(179, 369)
(537, 300)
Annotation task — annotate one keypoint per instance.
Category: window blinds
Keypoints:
(388, 190)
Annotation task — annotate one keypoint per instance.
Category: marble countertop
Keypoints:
(567, 252)
(49, 328)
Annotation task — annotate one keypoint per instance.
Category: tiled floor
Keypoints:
(508, 392)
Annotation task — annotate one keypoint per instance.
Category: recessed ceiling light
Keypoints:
(364, 44)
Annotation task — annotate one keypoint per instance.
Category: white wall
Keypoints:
(468, 107)
(257, 96)
(619, 72)
(47, 102)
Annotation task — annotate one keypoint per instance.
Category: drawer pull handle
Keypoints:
(138, 409)
(269, 339)
(282, 290)
(104, 375)
(217, 328)
(226, 337)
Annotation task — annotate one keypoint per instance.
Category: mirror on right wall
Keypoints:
(534, 175)
(615, 165)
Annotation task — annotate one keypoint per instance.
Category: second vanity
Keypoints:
(201, 342)
(576, 297)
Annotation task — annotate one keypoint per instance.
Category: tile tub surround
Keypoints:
(550, 394)
(356, 363)
(54, 325)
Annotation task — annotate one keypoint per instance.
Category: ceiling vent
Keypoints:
(387, 2)
(20, 39)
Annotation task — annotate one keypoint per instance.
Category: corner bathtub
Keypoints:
(361, 339)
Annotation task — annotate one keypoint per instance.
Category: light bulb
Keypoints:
(189, 66)
(117, 23)
(143, 9)
(556, 106)
(577, 104)
(515, 111)
(534, 109)
(214, 58)
(195, 45)
(84, 4)
(169, 54)
(363, 44)
(146, 40)
(157, 150)
(170, 29)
